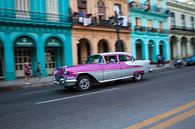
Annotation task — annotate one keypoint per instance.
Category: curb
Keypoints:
(23, 85)
(159, 69)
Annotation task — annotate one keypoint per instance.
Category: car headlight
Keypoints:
(65, 71)
(55, 72)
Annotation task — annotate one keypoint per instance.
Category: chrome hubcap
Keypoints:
(84, 84)
(138, 76)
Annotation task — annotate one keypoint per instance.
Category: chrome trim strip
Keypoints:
(109, 80)
(71, 81)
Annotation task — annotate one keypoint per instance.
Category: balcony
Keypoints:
(92, 21)
(134, 6)
(182, 28)
(150, 30)
(140, 28)
(33, 18)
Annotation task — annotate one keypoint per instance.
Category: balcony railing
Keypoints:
(19, 16)
(149, 29)
(92, 21)
(182, 28)
(140, 28)
(148, 8)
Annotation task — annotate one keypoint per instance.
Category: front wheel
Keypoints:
(138, 77)
(83, 83)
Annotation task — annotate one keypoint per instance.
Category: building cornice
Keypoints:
(75, 27)
(182, 33)
(181, 6)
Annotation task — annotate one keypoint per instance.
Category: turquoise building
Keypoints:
(150, 35)
(34, 31)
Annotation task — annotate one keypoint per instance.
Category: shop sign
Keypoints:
(53, 43)
(24, 42)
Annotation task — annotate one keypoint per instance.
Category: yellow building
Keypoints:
(94, 27)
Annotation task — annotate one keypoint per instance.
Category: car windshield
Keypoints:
(95, 59)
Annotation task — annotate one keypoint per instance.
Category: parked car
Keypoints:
(190, 60)
(100, 68)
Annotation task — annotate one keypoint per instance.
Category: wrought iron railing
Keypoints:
(35, 17)
(140, 28)
(149, 29)
(92, 21)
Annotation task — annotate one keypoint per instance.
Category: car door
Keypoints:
(112, 68)
(127, 65)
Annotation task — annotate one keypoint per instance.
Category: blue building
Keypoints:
(34, 31)
(150, 35)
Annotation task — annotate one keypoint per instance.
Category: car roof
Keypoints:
(113, 53)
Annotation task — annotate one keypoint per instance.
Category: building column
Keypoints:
(9, 59)
(68, 50)
(94, 46)
(156, 52)
(167, 51)
(75, 41)
(133, 47)
(179, 49)
(145, 51)
(134, 50)
(40, 46)
(111, 46)
(189, 49)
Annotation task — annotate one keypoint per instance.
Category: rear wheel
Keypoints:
(83, 83)
(138, 77)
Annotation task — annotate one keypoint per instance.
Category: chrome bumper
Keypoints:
(64, 82)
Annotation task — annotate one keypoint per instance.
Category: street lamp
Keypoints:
(118, 24)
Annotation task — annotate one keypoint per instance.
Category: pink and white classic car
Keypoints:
(100, 68)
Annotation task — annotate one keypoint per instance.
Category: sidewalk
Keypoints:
(20, 83)
(46, 81)
(154, 67)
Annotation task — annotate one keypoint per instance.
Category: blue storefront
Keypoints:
(150, 35)
(34, 31)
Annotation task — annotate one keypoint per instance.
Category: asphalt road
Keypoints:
(164, 99)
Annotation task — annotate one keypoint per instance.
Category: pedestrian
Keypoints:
(27, 72)
(159, 59)
(39, 70)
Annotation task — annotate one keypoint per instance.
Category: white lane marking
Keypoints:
(37, 92)
(75, 96)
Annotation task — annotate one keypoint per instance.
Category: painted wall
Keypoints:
(178, 9)
(39, 31)
(179, 48)
(146, 36)
(95, 33)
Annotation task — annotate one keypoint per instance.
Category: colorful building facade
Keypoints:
(34, 31)
(150, 35)
(182, 28)
(96, 27)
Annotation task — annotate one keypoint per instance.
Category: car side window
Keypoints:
(95, 59)
(110, 59)
(101, 60)
(124, 58)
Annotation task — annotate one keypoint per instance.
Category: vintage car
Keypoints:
(100, 68)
